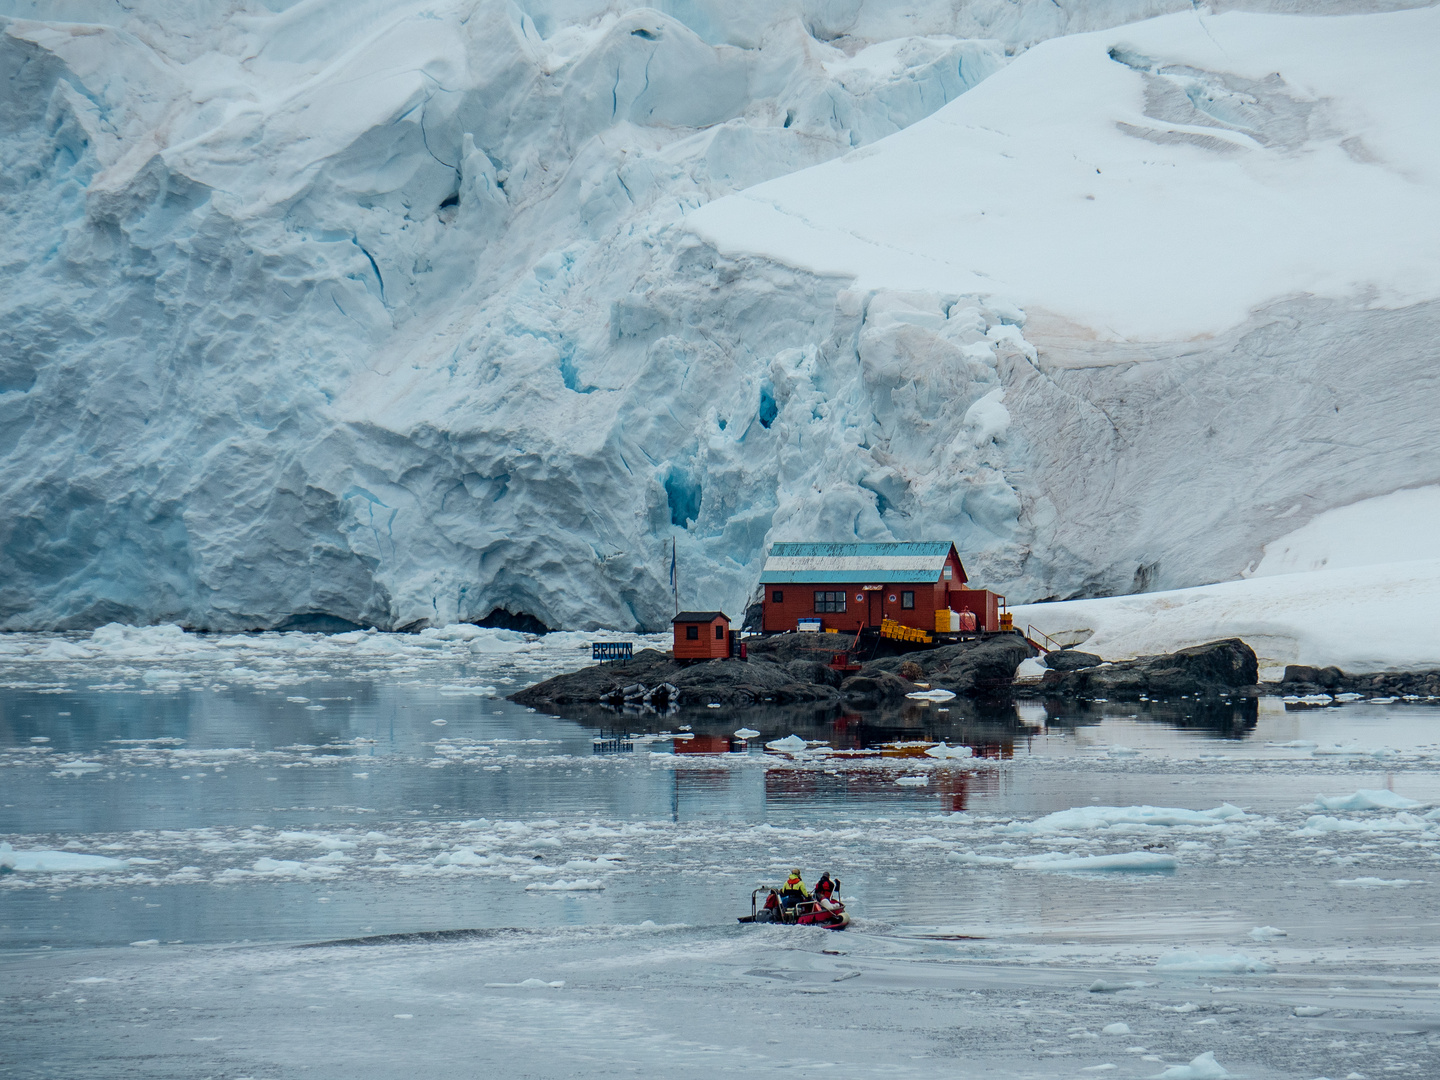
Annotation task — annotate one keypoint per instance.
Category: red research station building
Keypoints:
(849, 586)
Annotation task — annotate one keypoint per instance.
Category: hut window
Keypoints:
(777, 597)
(692, 633)
(829, 602)
(949, 573)
(907, 599)
(719, 633)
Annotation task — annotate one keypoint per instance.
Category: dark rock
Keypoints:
(981, 668)
(1323, 677)
(601, 682)
(731, 682)
(814, 671)
(1070, 660)
(1201, 669)
(737, 682)
(872, 687)
(1300, 680)
(782, 648)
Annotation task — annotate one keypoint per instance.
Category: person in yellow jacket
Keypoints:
(794, 891)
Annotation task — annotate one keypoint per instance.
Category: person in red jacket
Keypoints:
(824, 890)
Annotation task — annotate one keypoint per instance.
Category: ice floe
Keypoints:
(1367, 799)
(1212, 963)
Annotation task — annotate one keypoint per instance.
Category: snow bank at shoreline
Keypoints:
(1361, 619)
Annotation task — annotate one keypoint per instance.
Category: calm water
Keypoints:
(351, 790)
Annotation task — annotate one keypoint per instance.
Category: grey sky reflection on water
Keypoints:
(212, 784)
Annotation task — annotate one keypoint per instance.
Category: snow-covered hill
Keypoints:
(402, 312)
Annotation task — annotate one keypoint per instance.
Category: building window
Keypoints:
(949, 573)
(692, 633)
(719, 633)
(777, 597)
(907, 599)
(829, 602)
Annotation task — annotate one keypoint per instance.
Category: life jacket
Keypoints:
(824, 888)
(794, 884)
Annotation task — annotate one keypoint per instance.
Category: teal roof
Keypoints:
(902, 562)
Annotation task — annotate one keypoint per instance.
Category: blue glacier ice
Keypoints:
(390, 313)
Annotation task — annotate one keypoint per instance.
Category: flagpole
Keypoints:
(674, 576)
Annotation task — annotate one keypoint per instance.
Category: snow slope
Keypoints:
(1156, 182)
(393, 311)
(1356, 587)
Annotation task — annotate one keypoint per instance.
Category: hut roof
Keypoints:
(700, 616)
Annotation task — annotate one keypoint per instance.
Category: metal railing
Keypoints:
(1031, 634)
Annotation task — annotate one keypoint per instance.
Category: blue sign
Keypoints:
(611, 650)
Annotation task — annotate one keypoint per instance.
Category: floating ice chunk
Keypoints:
(931, 695)
(1321, 824)
(439, 723)
(1367, 799)
(1204, 1067)
(1099, 1068)
(1237, 964)
(1123, 751)
(1107, 817)
(57, 862)
(578, 885)
(713, 705)
(1310, 1010)
(969, 858)
(912, 781)
(1377, 883)
(454, 689)
(1115, 1029)
(746, 733)
(1382, 700)
(1353, 750)
(1139, 861)
(1267, 933)
(790, 744)
(147, 943)
(77, 768)
(532, 984)
(940, 750)
(1295, 744)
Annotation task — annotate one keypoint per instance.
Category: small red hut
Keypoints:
(701, 635)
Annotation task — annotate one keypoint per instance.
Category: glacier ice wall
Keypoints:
(387, 311)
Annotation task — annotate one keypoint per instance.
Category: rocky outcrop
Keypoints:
(788, 669)
(984, 668)
(1214, 668)
(1300, 679)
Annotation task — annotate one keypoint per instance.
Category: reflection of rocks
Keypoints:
(1219, 666)
(793, 668)
(1331, 680)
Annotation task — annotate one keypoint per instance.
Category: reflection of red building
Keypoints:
(709, 744)
(953, 787)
